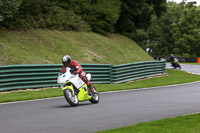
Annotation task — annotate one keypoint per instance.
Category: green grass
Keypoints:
(191, 63)
(39, 46)
(173, 77)
(30, 94)
(181, 124)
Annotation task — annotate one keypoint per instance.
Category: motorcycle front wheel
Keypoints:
(95, 96)
(70, 97)
(178, 65)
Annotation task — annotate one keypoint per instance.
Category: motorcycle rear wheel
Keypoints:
(70, 98)
(95, 97)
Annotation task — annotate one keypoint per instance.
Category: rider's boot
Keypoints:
(91, 88)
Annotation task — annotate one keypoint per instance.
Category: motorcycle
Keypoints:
(75, 89)
(175, 63)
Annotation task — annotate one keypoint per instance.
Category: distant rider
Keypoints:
(172, 57)
(75, 67)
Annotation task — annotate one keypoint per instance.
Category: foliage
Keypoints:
(137, 14)
(161, 30)
(101, 15)
(187, 36)
(29, 15)
(176, 31)
(123, 16)
(77, 15)
(104, 15)
(136, 17)
(64, 20)
(8, 8)
(128, 20)
(45, 14)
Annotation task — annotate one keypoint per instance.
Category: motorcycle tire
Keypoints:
(70, 98)
(95, 97)
(178, 65)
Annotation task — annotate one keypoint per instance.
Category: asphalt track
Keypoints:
(195, 69)
(115, 109)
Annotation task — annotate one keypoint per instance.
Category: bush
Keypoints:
(8, 8)
(58, 18)
(45, 14)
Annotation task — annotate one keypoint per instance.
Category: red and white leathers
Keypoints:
(77, 67)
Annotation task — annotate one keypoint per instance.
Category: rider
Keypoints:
(75, 67)
(172, 57)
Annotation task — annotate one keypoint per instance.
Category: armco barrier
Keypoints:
(133, 71)
(35, 76)
(14, 77)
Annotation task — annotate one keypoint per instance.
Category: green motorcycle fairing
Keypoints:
(83, 92)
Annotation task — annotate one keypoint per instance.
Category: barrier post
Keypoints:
(198, 60)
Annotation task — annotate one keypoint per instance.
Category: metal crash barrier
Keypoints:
(13, 77)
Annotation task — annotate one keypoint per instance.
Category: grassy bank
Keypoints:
(39, 46)
(181, 124)
(173, 77)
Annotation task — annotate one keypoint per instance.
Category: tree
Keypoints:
(161, 30)
(176, 31)
(187, 40)
(45, 14)
(104, 15)
(101, 15)
(136, 17)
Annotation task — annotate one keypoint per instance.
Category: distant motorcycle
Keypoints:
(175, 63)
(75, 89)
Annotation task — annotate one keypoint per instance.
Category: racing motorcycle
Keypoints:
(75, 89)
(175, 63)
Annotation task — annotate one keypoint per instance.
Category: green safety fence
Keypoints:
(13, 77)
(133, 71)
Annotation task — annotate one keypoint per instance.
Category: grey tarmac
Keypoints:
(115, 109)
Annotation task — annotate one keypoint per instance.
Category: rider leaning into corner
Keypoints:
(172, 57)
(75, 67)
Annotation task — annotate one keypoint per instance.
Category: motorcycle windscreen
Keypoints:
(61, 78)
(76, 81)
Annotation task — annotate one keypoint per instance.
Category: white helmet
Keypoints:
(66, 60)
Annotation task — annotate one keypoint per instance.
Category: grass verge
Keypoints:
(181, 124)
(191, 63)
(173, 77)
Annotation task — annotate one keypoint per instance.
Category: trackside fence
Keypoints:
(133, 71)
(13, 77)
